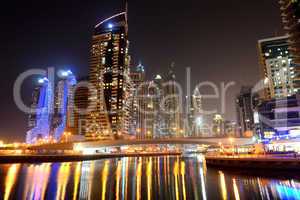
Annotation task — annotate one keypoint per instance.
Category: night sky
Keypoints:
(217, 39)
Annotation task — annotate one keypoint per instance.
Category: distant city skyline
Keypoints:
(61, 38)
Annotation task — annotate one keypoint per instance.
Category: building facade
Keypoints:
(231, 129)
(81, 104)
(40, 119)
(63, 118)
(109, 74)
(279, 119)
(218, 126)
(245, 114)
(172, 105)
(194, 116)
(277, 71)
(137, 76)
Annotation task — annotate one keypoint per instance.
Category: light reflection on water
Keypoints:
(138, 178)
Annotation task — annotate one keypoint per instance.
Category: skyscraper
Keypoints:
(172, 107)
(218, 126)
(40, 119)
(290, 13)
(158, 95)
(81, 107)
(244, 108)
(109, 73)
(63, 119)
(194, 115)
(137, 76)
(277, 71)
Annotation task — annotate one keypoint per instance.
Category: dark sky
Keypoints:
(217, 39)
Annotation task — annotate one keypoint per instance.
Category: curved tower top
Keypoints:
(113, 23)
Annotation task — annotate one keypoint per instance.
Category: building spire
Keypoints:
(126, 6)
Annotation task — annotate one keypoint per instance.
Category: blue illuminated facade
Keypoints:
(52, 112)
(64, 106)
(42, 107)
(279, 119)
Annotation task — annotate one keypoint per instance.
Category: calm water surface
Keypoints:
(139, 178)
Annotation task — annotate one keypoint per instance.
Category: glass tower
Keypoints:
(109, 74)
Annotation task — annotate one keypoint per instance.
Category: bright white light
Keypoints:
(110, 25)
(158, 76)
(266, 81)
(64, 73)
(42, 80)
(198, 121)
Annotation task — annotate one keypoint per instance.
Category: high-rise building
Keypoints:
(290, 13)
(218, 126)
(63, 119)
(153, 115)
(158, 95)
(81, 107)
(40, 119)
(109, 73)
(244, 108)
(149, 113)
(278, 73)
(137, 76)
(172, 107)
(194, 115)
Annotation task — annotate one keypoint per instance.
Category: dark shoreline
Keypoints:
(8, 159)
(253, 163)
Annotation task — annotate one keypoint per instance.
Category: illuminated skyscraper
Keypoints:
(151, 120)
(194, 115)
(109, 73)
(40, 119)
(63, 119)
(218, 125)
(172, 107)
(158, 95)
(277, 70)
(137, 76)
